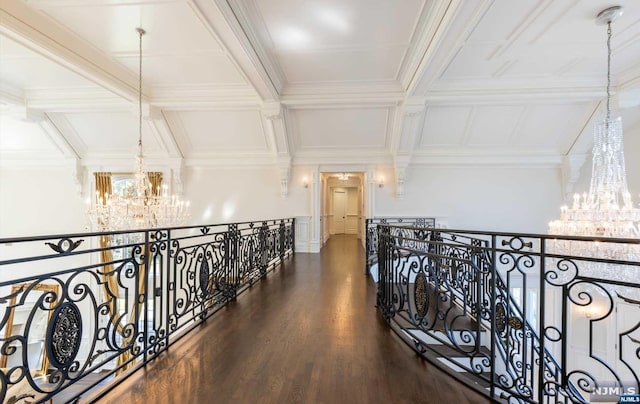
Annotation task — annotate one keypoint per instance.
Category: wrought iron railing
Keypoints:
(520, 317)
(371, 244)
(93, 307)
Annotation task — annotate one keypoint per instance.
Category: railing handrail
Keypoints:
(118, 301)
(131, 231)
(527, 235)
(524, 261)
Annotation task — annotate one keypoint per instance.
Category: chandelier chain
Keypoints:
(140, 33)
(608, 72)
(144, 203)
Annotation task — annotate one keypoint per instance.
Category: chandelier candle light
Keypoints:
(607, 210)
(143, 207)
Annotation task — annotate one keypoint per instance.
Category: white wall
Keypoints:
(482, 198)
(219, 195)
(477, 198)
(40, 202)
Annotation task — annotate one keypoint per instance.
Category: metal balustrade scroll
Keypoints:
(371, 243)
(94, 307)
(520, 317)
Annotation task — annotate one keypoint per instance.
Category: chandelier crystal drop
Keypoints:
(142, 206)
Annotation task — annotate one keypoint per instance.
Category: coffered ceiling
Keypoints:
(281, 82)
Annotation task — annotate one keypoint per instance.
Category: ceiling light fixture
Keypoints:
(144, 207)
(607, 209)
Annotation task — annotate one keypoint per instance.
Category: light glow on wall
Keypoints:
(228, 209)
(206, 215)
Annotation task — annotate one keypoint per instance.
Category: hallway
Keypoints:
(309, 333)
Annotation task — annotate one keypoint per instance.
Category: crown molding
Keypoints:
(121, 163)
(204, 97)
(78, 99)
(341, 157)
(503, 159)
(18, 160)
(474, 95)
(232, 160)
(333, 88)
(382, 93)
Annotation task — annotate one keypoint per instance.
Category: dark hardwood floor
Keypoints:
(309, 333)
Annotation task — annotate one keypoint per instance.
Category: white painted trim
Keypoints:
(33, 30)
(242, 49)
(507, 159)
(473, 95)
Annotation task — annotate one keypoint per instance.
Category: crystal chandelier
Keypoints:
(143, 207)
(607, 210)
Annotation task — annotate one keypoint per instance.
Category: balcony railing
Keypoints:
(371, 231)
(93, 307)
(519, 317)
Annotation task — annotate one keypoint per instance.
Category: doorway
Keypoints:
(342, 204)
(338, 219)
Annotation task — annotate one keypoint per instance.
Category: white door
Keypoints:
(339, 211)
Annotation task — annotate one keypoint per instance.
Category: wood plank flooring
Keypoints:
(309, 333)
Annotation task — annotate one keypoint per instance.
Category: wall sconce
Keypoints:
(380, 182)
(305, 182)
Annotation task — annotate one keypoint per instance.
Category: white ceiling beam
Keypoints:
(220, 18)
(37, 32)
(161, 131)
(68, 133)
(436, 24)
(57, 137)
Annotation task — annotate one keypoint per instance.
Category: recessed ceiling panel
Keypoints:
(336, 40)
(529, 44)
(493, 126)
(472, 61)
(338, 128)
(320, 24)
(171, 26)
(445, 126)
(553, 127)
(219, 131)
(502, 19)
(113, 133)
